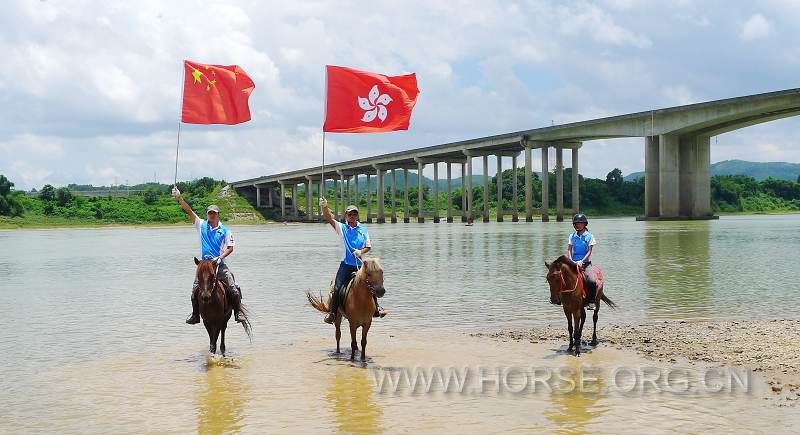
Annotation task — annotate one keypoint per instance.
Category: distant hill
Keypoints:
(757, 170)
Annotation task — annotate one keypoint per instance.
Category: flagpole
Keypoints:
(180, 113)
(324, 192)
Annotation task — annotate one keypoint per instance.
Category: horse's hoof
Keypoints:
(593, 343)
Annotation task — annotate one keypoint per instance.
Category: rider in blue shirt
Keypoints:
(355, 240)
(216, 243)
(579, 248)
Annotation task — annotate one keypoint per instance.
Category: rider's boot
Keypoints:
(379, 311)
(236, 303)
(194, 318)
(334, 308)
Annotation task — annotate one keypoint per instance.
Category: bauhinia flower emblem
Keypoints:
(375, 105)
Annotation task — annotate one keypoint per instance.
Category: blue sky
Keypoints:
(90, 90)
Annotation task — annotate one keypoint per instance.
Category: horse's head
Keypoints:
(556, 278)
(206, 276)
(372, 274)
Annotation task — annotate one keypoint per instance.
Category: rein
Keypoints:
(578, 280)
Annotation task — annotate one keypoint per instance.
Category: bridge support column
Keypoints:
(420, 192)
(514, 205)
(469, 186)
(369, 199)
(435, 192)
(341, 195)
(349, 193)
(449, 193)
(651, 183)
(295, 214)
(269, 197)
(392, 191)
(576, 182)
(668, 176)
(559, 184)
(486, 188)
(379, 191)
(406, 206)
(320, 193)
(545, 185)
(309, 193)
(356, 195)
(283, 201)
(258, 196)
(701, 206)
(463, 192)
(499, 182)
(528, 184)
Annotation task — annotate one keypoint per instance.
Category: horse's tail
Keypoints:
(608, 301)
(317, 303)
(248, 327)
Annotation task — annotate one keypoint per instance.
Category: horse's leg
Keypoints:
(598, 298)
(338, 323)
(569, 329)
(364, 331)
(579, 330)
(353, 344)
(216, 336)
(212, 343)
(222, 343)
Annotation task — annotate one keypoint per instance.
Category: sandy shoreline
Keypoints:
(770, 348)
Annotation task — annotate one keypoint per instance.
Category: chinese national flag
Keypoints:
(215, 94)
(365, 102)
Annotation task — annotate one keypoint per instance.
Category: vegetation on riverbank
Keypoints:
(151, 203)
(147, 204)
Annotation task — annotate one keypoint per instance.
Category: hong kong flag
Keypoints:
(366, 102)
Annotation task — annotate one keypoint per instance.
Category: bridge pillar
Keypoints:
(420, 192)
(463, 192)
(668, 176)
(486, 188)
(258, 196)
(435, 192)
(349, 193)
(701, 206)
(559, 184)
(545, 185)
(406, 206)
(686, 174)
(269, 197)
(392, 191)
(449, 192)
(341, 195)
(469, 185)
(283, 200)
(499, 182)
(576, 182)
(514, 205)
(379, 191)
(295, 214)
(320, 193)
(309, 193)
(335, 198)
(528, 184)
(651, 183)
(369, 199)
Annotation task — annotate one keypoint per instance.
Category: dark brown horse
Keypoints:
(215, 310)
(359, 305)
(567, 288)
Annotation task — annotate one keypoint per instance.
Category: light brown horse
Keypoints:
(567, 288)
(215, 310)
(359, 306)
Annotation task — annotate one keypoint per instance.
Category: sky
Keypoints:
(90, 91)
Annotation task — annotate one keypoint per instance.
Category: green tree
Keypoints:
(150, 196)
(64, 196)
(9, 200)
(48, 193)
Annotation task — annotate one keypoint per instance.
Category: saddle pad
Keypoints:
(596, 273)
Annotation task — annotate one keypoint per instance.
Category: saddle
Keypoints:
(592, 279)
(342, 292)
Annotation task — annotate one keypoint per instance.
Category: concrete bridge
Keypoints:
(677, 158)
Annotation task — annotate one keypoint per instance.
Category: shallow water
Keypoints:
(93, 337)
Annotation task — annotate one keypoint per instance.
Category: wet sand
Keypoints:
(770, 348)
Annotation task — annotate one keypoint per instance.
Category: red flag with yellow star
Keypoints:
(215, 94)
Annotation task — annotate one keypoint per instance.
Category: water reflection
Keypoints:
(576, 398)
(351, 396)
(221, 398)
(677, 270)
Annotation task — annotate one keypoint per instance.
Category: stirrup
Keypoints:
(193, 320)
(330, 318)
(380, 312)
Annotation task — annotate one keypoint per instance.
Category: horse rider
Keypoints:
(579, 250)
(355, 238)
(216, 243)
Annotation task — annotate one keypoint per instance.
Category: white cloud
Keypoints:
(756, 27)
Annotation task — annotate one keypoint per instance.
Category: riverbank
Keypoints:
(770, 348)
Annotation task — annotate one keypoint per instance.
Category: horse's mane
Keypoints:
(368, 266)
(205, 267)
(563, 259)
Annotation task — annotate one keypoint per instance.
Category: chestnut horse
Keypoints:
(359, 305)
(215, 310)
(567, 288)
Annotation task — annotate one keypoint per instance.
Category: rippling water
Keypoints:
(93, 335)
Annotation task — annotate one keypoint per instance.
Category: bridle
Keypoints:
(578, 279)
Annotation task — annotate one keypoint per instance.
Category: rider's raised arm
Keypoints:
(186, 208)
(326, 212)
